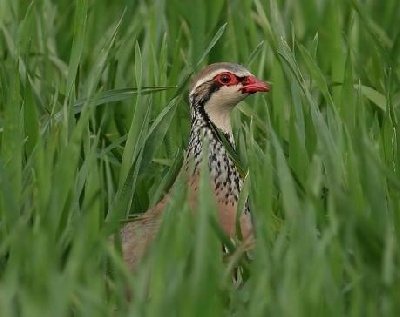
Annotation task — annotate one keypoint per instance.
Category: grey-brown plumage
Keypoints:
(213, 93)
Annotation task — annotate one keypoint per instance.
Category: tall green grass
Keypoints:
(94, 118)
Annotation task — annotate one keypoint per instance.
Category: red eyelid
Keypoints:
(233, 80)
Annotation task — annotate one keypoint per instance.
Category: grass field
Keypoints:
(94, 119)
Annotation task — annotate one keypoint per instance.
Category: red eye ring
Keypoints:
(226, 79)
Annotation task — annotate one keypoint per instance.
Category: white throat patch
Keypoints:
(220, 105)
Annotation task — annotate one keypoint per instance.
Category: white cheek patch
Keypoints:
(220, 105)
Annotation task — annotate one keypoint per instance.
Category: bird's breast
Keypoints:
(223, 172)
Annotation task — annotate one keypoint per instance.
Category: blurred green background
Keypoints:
(94, 120)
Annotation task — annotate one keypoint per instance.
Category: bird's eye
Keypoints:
(226, 79)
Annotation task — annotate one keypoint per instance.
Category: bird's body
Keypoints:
(214, 92)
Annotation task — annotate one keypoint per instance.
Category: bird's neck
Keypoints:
(223, 170)
(220, 116)
(205, 130)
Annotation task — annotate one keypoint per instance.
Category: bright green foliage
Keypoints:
(94, 118)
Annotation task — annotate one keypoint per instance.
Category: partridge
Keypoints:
(213, 93)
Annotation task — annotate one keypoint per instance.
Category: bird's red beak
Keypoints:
(252, 84)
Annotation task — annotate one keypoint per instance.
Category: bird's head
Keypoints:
(219, 87)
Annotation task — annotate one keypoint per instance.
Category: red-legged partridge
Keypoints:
(214, 92)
